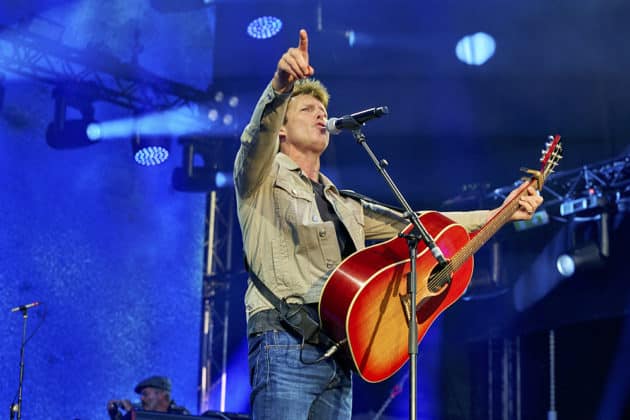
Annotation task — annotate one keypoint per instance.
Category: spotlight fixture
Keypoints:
(206, 163)
(69, 134)
(264, 27)
(591, 255)
(150, 150)
(585, 257)
(223, 112)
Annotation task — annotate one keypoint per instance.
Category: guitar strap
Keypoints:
(296, 317)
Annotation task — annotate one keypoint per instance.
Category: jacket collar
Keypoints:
(288, 163)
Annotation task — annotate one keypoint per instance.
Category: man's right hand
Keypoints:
(293, 65)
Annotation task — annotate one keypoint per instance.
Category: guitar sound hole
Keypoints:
(440, 278)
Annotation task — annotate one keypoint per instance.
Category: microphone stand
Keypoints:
(419, 233)
(17, 407)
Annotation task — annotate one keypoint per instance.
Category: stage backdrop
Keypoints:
(114, 254)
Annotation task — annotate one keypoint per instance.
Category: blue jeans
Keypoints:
(285, 388)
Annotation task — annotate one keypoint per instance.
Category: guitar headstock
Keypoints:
(551, 155)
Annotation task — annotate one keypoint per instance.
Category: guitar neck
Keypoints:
(551, 155)
(489, 229)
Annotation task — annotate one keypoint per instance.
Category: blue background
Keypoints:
(115, 256)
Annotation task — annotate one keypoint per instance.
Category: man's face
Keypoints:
(154, 399)
(305, 126)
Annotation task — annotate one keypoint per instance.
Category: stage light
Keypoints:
(150, 150)
(94, 131)
(213, 114)
(264, 27)
(592, 254)
(588, 256)
(475, 49)
(65, 133)
(206, 163)
(223, 179)
(70, 134)
(222, 112)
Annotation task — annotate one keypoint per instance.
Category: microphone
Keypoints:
(25, 307)
(354, 121)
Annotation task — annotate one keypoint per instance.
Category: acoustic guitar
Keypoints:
(365, 299)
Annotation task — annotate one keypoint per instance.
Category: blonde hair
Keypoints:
(312, 87)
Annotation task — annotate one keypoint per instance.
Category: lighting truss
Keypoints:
(594, 186)
(100, 73)
(216, 286)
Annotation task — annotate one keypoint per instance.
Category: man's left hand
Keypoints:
(528, 202)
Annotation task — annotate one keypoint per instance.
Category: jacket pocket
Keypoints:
(280, 262)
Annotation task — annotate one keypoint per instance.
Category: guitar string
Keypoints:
(477, 242)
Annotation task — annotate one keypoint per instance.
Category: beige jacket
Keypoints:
(286, 243)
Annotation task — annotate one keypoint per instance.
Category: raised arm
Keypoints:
(259, 141)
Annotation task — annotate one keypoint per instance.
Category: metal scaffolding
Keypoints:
(96, 72)
(216, 287)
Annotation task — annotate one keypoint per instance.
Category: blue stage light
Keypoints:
(264, 27)
(223, 179)
(69, 134)
(150, 150)
(65, 133)
(94, 131)
(475, 49)
(152, 155)
(206, 163)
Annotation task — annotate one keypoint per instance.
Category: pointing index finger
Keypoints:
(303, 45)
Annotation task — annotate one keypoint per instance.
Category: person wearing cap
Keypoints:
(155, 395)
